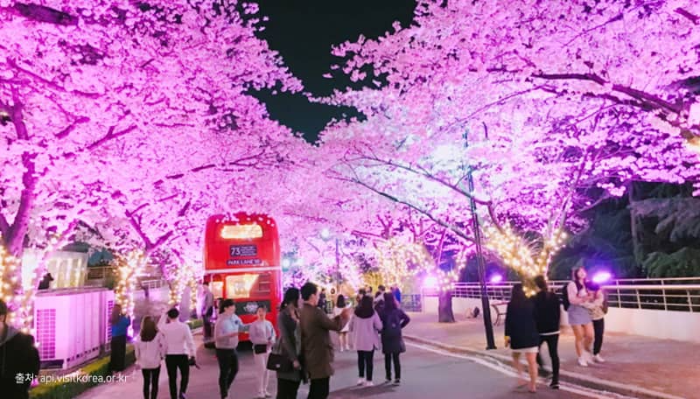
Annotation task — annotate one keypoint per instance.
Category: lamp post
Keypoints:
(325, 236)
(490, 343)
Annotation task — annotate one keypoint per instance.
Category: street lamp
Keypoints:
(490, 343)
(325, 236)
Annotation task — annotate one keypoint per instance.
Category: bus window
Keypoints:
(264, 286)
(239, 286)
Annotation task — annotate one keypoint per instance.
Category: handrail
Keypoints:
(621, 294)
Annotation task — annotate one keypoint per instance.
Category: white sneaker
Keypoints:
(369, 384)
(361, 381)
(598, 359)
(582, 362)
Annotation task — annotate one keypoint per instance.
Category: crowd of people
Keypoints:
(303, 352)
(305, 341)
(530, 322)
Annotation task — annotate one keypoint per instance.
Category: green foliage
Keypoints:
(682, 263)
(98, 369)
(607, 240)
(678, 217)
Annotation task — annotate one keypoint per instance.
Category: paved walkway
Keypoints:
(426, 374)
(634, 363)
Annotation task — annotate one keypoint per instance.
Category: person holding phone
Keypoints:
(262, 335)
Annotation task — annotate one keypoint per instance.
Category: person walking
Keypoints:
(365, 327)
(547, 317)
(226, 331)
(340, 306)
(150, 351)
(316, 341)
(598, 310)
(119, 325)
(180, 349)
(19, 357)
(521, 333)
(207, 311)
(393, 320)
(262, 335)
(289, 345)
(579, 305)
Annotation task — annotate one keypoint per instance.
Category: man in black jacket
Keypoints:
(548, 315)
(19, 358)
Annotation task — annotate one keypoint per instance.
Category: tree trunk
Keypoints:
(636, 249)
(445, 313)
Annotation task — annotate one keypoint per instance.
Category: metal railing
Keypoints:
(152, 283)
(672, 294)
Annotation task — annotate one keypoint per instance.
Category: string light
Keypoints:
(399, 261)
(127, 269)
(184, 276)
(527, 258)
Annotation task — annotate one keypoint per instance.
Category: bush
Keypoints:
(195, 323)
(98, 370)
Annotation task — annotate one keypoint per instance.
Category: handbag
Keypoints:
(279, 362)
(259, 348)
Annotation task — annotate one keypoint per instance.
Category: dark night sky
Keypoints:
(303, 31)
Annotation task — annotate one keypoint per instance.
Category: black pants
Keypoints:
(287, 389)
(150, 382)
(319, 388)
(365, 360)
(553, 347)
(228, 368)
(172, 364)
(388, 357)
(206, 323)
(118, 353)
(599, 330)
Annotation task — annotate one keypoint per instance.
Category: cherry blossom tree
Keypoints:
(102, 102)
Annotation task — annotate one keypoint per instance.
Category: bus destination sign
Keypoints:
(243, 251)
(238, 262)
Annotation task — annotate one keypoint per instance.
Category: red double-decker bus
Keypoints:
(242, 262)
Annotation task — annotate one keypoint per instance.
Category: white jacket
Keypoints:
(150, 354)
(178, 337)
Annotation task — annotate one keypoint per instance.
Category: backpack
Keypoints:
(564, 292)
(392, 328)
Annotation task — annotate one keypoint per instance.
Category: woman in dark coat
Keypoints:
(521, 333)
(393, 320)
(289, 345)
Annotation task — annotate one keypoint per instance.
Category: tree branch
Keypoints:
(417, 208)
(111, 135)
(634, 93)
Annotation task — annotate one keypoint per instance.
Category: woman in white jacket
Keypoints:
(365, 327)
(150, 350)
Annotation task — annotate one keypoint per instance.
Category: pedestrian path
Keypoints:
(650, 367)
(426, 374)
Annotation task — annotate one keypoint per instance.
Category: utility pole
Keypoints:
(486, 308)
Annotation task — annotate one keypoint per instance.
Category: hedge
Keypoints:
(96, 369)
(71, 389)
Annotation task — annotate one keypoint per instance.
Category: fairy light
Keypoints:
(528, 259)
(395, 259)
(446, 278)
(127, 270)
(184, 276)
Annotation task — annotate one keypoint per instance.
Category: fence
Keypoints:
(672, 294)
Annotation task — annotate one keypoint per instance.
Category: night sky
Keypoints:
(303, 31)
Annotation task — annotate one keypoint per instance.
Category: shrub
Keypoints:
(98, 370)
